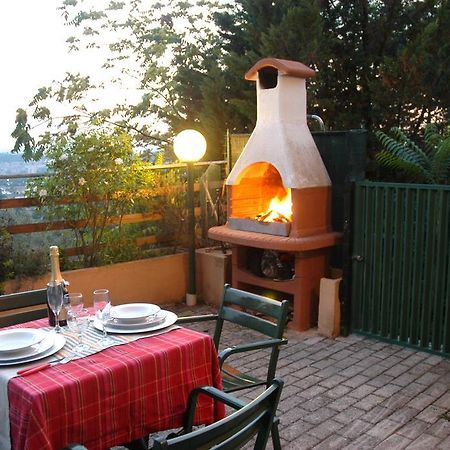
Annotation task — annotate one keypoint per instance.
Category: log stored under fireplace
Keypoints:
(279, 195)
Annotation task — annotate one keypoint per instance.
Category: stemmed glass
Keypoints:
(102, 306)
(74, 301)
(55, 293)
(78, 322)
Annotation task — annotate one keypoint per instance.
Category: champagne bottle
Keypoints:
(56, 277)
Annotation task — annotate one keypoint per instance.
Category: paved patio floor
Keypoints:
(353, 392)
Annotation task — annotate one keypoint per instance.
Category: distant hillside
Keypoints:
(12, 163)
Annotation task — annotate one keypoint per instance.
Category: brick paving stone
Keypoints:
(348, 415)
(380, 380)
(413, 429)
(368, 362)
(332, 381)
(351, 371)
(362, 391)
(303, 442)
(394, 442)
(404, 379)
(337, 391)
(364, 442)
(391, 361)
(387, 390)
(383, 429)
(396, 370)
(428, 378)
(369, 402)
(324, 430)
(431, 414)
(342, 403)
(424, 442)
(444, 445)
(421, 401)
(313, 391)
(287, 403)
(355, 381)
(316, 403)
(404, 415)
(354, 429)
(443, 401)
(441, 429)
(333, 442)
(295, 430)
(398, 400)
(436, 390)
(414, 389)
(309, 381)
(376, 414)
(328, 371)
(320, 415)
(347, 362)
(373, 371)
(323, 363)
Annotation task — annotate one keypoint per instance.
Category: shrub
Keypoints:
(427, 164)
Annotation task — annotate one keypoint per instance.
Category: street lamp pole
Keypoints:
(190, 146)
(191, 296)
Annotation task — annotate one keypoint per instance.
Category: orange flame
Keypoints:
(280, 210)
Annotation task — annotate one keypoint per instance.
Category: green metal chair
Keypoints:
(257, 313)
(232, 432)
(22, 307)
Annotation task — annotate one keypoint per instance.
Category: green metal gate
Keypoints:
(401, 264)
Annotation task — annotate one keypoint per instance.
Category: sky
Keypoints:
(32, 54)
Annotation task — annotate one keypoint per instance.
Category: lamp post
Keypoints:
(190, 146)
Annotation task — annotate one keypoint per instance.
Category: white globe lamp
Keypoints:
(189, 147)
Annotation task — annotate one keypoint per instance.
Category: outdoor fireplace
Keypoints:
(280, 164)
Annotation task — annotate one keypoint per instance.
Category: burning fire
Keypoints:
(280, 210)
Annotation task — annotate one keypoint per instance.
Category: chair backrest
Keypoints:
(234, 431)
(237, 306)
(22, 307)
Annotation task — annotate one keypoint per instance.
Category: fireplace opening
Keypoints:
(260, 202)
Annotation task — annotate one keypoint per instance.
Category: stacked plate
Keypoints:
(137, 318)
(21, 345)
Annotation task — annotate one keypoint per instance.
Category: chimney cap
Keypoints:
(285, 66)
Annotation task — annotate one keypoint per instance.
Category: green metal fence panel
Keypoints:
(401, 264)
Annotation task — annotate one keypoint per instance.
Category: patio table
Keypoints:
(117, 395)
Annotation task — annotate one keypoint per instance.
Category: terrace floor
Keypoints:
(353, 392)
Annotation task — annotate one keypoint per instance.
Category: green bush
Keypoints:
(427, 161)
(92, 177)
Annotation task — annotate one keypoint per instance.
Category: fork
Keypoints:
(29, 370)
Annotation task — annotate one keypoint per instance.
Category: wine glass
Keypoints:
(102, 306)
(55, 293)
(74, 301)
(78, 322)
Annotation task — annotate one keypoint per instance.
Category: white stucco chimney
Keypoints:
(281, 136)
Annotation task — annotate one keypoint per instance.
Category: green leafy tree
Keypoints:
(429, 163)
(378, 65)
(92, 178)
(6, 262)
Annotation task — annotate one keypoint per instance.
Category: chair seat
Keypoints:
(234, 380)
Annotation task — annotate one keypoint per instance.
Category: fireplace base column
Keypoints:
(303, 289)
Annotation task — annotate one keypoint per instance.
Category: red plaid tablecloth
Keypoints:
(115, 396)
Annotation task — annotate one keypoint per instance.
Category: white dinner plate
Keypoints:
(134, 312)
(34, 350)
(18, 339)
(58, 343)
(153, 321)
(170, 319)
